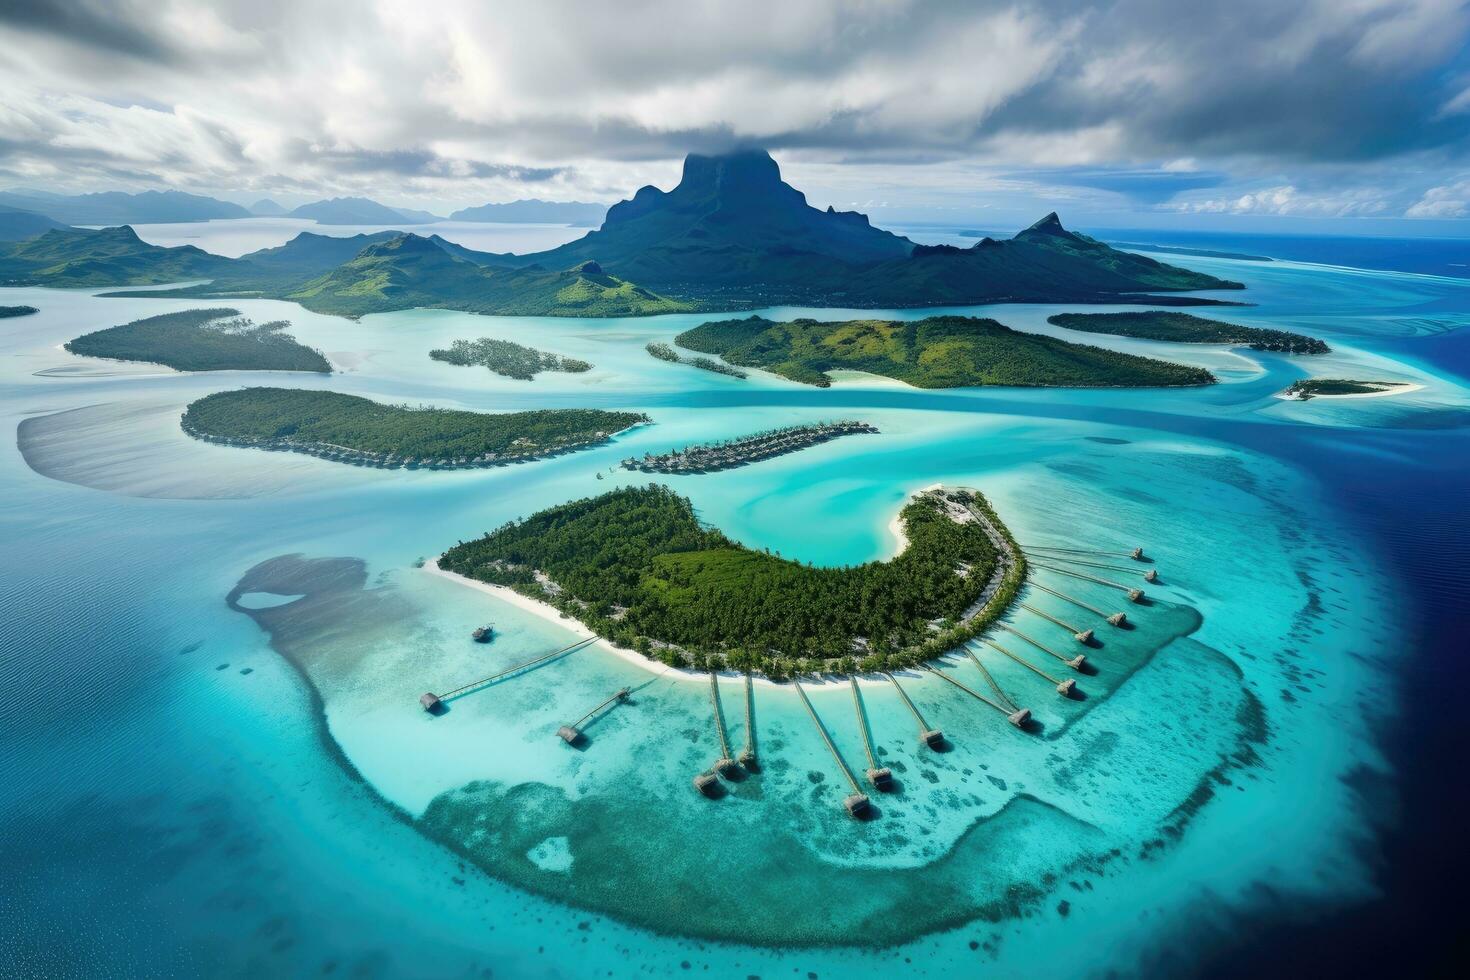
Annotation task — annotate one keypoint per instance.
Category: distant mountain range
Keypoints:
(17, 225)
(534, 211)
(732, 235)
(266, 208)
(119, 208)
(360, 211)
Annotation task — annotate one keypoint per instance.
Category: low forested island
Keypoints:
(349, 429)
(203, 340)
(935, 352)
(666, 353)
(6, 312)
(1185, 328)
(714, 457)
(637, 567)
(1335, 387)
(507, 359)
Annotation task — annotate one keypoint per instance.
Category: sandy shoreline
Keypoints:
(553, 615)
(1398, 389)
(895, 526)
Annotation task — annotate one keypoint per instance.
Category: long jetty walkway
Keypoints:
(1016, 716)
(1074, 662)
(1136, 554)
(725, 764)
(1115, 619)
(1083, 636)
(739, 452)
(1065, 688)
(880, 776)
(857, 804)
(1134, 595)
(572, 734)
(747, 754)
(1149, 575)
(433, 703)
(931, 737)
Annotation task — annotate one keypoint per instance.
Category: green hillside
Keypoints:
(936, 352)
(203, 340)
(1183, 328)
(320, 421)
(110, 257)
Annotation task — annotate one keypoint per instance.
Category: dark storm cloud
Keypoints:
(1099, 97)
(117, 28)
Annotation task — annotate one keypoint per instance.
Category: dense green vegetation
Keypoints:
(506, 358)
(7, 312)
(1307, 387)
(110, 257)
(936, 352)
(666, 353)
(1184, 328)
(637, 567)
(326, 423)
(203, 340)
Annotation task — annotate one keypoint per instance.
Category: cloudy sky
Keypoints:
(1243, 114)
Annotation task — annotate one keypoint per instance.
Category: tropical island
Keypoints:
(1308, 388)
(1185, 328)
(7, 312)
(203, 340)
(350, 429)
(637, 567)
(732, 235)
(664, 352)
(507, 359)
(935, 352)
(713, 457)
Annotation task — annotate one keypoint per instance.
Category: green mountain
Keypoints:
(358, 211)
(17, 225)
(936, 352)
(411, 271)
(118, 208)
(310, 254)
(110, 257)
(733, 234)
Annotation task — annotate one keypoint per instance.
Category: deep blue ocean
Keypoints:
(214, 764)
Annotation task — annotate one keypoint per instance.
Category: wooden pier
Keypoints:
(1115, 619)
(1082, 636)
(857, 804)
(434, 703)
(724, 765)
(1134, 595)
(1151, 575)
(747, 754)
(1066, 688)
(1136, 554)
(931, 737)
(1075, 662)
(572, 734)
(880, 776)
(1016, 716)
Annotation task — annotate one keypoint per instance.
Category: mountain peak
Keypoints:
(742, 168)
(1050, 223)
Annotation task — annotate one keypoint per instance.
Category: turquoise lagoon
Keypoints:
(219, 764)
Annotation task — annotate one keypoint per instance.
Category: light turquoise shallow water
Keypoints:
(177, 800)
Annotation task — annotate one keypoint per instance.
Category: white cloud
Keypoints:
(1445, 201)
(1288, 200)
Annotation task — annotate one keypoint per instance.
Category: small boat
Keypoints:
(484, 634)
